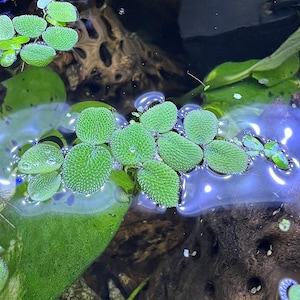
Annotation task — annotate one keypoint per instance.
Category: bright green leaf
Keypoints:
(37, 55)
(7, 29)
(178, 152)
(294, 292)
(132, 144)
(62, 11)
(225, 157)
(160, 183)
(200, 126)
(8, 58)
(160, 118)
(43, 186)
(271, 148)
(60, 38)
(86, 168)
(281, 160)
(95, 125)
(29, 25)
(42, 158)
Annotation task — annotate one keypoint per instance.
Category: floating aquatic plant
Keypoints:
(37, 54)
(60, 38)
(200, 126)
(29, 25)
(160, 118)
(159, 182)
(43, 186)
(132, 145)
(7, 29)
(178, 152)
(42, 158)
(86, 168)
(95, 125)
(62, 11)
(225, 157)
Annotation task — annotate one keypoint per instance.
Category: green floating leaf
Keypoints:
(80, 106)
(200, 126)
(8, 58)
(43, 186)
(281, 160)
(7, 29)
(3, 274)
(42, 158)
(271, 148)
(294, 292)
(29, 25)
(95, 125)
(178, 152)
(62, 11)
(252, 143)
(37, 55)
(159, 182)
(86, 168)
(60, 38)
(132, 145)
(225, 157)
(160, 118)
(285, 71)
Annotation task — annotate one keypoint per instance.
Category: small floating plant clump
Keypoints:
(155, 149)
(37, 39)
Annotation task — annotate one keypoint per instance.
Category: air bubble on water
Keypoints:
(186, 109)
(120, 120)
(143, 102)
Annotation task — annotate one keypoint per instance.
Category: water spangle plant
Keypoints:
(152, 118)
(200, 126)
(160, 182)
(154, 154)
(43, 41)
(86, 168)
(41, 158)
(95, 125)
(132, 145)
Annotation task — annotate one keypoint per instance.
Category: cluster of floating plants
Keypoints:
(155, 148)
(37, 39)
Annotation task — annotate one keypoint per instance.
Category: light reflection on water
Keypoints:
(263, 182)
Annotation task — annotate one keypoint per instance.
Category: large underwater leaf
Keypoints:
(53, 241)
(32, 87)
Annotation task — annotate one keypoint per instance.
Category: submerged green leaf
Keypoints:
(160, 118)
(42, 158)
(252, 143)
(29, 25)
(8, 58)
(43, 186)
(86, 168)
(271, 148)
(225, 157)
(281, 160)
(3, 274)
(132, 145)
(95, 125)
(37, 55)
(178, 152)
(200, 126)
(160, 183)
(60, 38)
